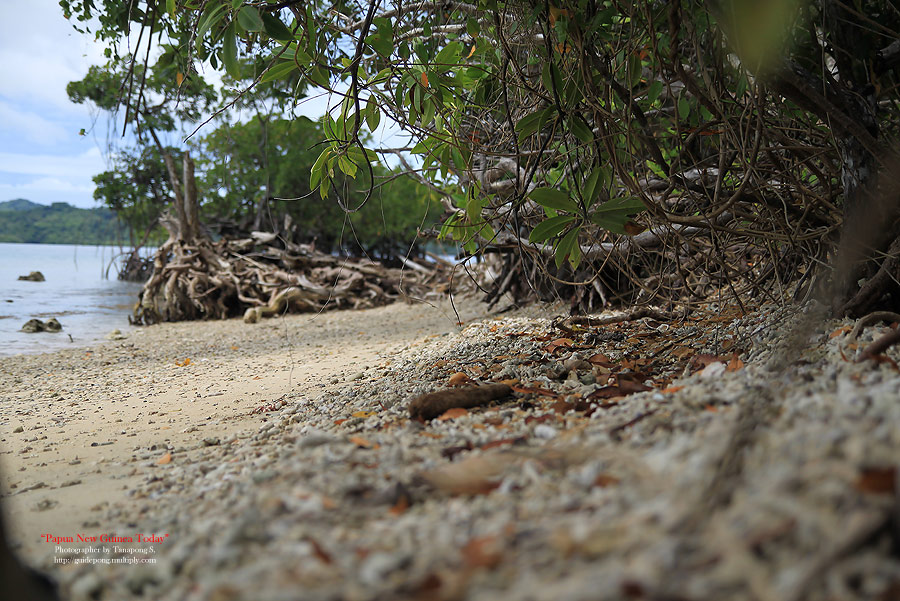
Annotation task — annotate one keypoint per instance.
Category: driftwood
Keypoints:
(255, 278)
(431, 405)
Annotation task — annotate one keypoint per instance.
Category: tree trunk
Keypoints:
(191, 227)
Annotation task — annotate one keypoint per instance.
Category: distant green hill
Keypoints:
(25, 221)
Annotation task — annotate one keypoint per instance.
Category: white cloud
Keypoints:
(32, 127)
(47, 190)
(41, 53)
(82, 165)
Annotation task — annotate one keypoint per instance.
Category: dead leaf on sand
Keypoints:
(458, 379)
(363, 442)
(474, 475)
(483, 552)
(877, 479)
(453, 414)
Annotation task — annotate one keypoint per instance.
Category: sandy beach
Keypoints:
(638, 455)
(74, 424)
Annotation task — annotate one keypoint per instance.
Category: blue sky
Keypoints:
(42, 156)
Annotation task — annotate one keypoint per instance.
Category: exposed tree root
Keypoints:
(250, 277)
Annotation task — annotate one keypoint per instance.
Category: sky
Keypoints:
(43, 157)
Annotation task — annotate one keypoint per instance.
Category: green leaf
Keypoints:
(347, 166)
(684, 108)
(552, 198)
(473, 210)
(575, 250)
(279, 71)
(551, 77)
(613, 214)
(533, 122)
(382, 41)
(170, 8)
(299, 55)
(654, 91)
(596, 181)
(633, 70)
(427, 112)
(229, 52)
(447, 228)
(550, 228)
(373, 114)
(448, 57)
(458, 160)
(248, 18)
(316, 171)
(212, 16)
(275, 29)
(741, 86)
(566, 246)
(581, 130)
(487, 232)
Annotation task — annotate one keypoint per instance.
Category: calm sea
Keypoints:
(77, 292)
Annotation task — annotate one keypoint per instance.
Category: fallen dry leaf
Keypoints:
(318, 551)
(705, 359)
(672, 389)
(878, 480)
(183, 363)
(633, 229)
(453, 413)
(400, 507)
(503, 441)
(735, 363)
(362, 414)
(540, 419)
(483, 552)
(458, 379)
(839, 331)
(629, 385)
(680, 352)
(601, 360)
(474, 475)
(363, 442)
(167, 458)
(558, 344)
(604, 480)
(560, 406)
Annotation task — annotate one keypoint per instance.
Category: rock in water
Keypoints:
(34, 276)
(36, 325)
(33, 325)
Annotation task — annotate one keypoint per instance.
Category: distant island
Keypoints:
(60, 223)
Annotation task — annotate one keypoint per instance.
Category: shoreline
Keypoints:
(75, 423)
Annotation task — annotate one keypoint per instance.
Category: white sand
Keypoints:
(88, 417)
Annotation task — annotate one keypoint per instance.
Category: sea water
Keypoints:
(81, 291)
